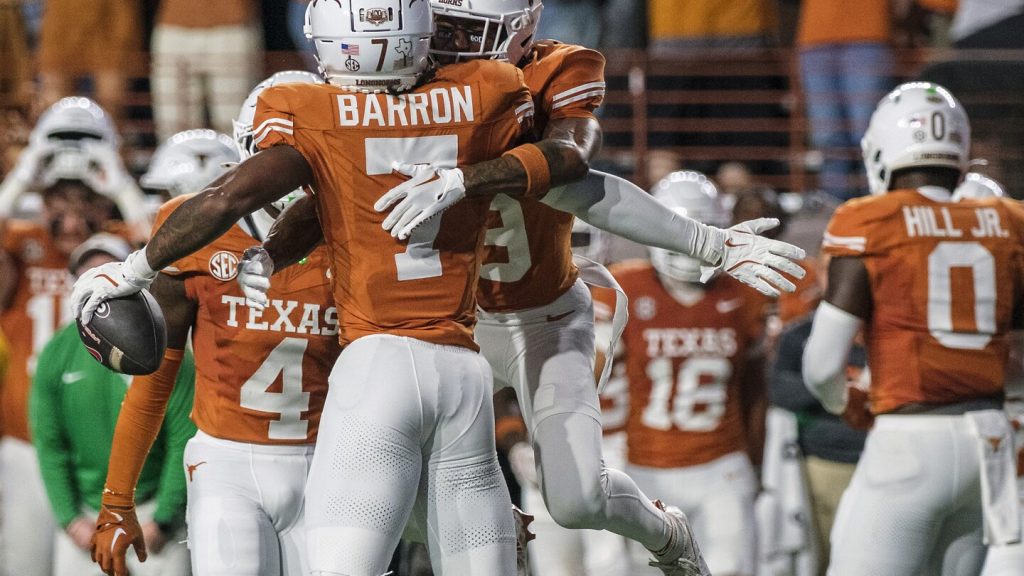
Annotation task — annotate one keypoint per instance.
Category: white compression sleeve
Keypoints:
(826, 353)
(618, 206)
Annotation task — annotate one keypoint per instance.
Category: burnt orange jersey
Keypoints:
(261, 376)
(527, 261)
(423, 288)
(685, 367)
(40, 304)
(945, 279)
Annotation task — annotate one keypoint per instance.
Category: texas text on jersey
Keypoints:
(261, 375)
(685, 366)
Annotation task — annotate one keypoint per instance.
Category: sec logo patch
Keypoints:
(645, 308)
(224, 265)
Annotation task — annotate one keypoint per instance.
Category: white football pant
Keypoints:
(172, 560)
(558, 551)
(914, 504)
(27, 522)
(408, 429)
(718, 499)
(547, 355)
(245, 507)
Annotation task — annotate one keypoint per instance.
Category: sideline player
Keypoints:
(408, 409)
(693, 370)
(34, 285)
(936, 286)
(260, 389)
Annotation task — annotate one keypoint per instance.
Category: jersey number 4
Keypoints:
(693, 400)
(289, 404)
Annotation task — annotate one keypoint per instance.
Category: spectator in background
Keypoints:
(206, 58)
(829, 445)
(675, 26)
(94, 39)
(73, 450)
(845, 67)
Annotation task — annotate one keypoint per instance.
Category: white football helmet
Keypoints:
(977, 186)
(190, 160)
(588, 241)
(917, 124)
(243, 127)
(370, 45)
(693, 195)
(72, 119)
(515, 20)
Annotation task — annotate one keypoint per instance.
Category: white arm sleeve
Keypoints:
(618, 206)
(826, 353)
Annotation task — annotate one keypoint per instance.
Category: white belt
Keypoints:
(594, 274)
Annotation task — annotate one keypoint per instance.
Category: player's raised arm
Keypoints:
(252, 184)
(618, 206)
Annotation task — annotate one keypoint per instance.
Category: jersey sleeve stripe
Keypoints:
(577, 89)
(584, 96)
(524, 111)
(856, 243)
(523, 107)
(268, 121)
(267, 132)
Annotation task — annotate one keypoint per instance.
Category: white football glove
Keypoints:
(428, 192)
(254, 276)
(111, 280)
(755, 260)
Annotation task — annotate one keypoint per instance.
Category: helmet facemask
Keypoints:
(506, 28)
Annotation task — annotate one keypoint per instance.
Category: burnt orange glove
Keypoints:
(117, 528)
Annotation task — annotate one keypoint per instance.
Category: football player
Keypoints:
(536, 320)
(408, 409)
(88, 146)
(63, 166)
(693, 371)
(936, 286)
(261, 384)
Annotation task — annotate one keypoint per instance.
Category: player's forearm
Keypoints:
(826, 353)
(561, 162)
(245, 188)
(295, 233)
(618, 206)
(138, 425)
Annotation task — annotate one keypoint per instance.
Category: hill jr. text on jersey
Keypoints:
(938, 223)
(442, 105)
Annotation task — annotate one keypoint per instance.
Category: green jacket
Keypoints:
(73, 409)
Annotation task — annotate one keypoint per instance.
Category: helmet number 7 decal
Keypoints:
(420, 259)
(383, 43)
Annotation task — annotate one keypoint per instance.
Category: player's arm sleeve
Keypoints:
(138, 425)
(177, 430)
(48, 435)
(618, 206)
(578, 89)
(785, 374)
(825, 355)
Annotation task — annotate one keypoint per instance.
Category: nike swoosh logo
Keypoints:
(117, 534)
(72, 377)
(726, 306)
(557, 317)
(731, 245)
